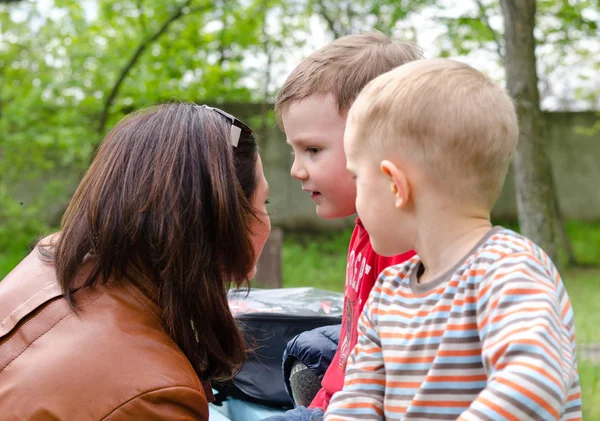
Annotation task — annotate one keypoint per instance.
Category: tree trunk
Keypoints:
(537, 210)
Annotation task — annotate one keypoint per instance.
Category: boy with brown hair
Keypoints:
(478, 325)
(311, 108)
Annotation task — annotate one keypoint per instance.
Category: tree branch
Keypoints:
(486, 22)
(140, 5)
(268, 51)
(133, 60)
(328, 19)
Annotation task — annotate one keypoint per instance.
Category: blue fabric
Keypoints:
(314, 348)
(238, 410)
(299, 414)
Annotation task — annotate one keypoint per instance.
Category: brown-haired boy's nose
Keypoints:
(298, 171)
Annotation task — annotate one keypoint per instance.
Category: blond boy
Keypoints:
(311, 108)
(478, 325)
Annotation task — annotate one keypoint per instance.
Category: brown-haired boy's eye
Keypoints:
(312, 150)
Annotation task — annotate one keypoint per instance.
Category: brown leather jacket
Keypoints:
(110, 361)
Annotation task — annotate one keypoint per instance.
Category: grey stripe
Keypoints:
(529, 318)
(532, 355)
(492, 333)
(397, 324)
(456, 366)
(472, 391)
(528, 300)
(366, 359)
(406, 372)
(576, 408)
(503, 397)
(542, 386)
(428, 416)
(434, 346)
(480, 415)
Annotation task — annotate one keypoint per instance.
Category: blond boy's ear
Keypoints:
(399, 183)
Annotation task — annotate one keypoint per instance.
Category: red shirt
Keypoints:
(362, 270)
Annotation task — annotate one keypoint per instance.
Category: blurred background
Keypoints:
(70, 69)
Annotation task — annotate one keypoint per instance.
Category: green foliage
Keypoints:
(317, 260)
(559, 22)
(583, 286)
(60, 69)
(589, 376)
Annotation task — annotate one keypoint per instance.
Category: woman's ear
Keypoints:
(399, 183)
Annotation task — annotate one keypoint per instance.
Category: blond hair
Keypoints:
(343, 67)
(453, 120)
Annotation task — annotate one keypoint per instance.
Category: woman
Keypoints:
(123, 315)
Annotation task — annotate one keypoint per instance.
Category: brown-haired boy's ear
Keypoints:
(399, 183)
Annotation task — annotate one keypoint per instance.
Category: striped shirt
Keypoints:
(492, 339)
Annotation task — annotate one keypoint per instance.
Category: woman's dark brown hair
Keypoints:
(166, 204)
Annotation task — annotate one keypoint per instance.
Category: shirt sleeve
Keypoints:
(364, 384)
(176, 403)
(528, 348)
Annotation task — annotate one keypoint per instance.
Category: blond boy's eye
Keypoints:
(312, 150)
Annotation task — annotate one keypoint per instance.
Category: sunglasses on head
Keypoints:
(237, 126)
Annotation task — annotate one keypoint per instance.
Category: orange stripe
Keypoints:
(407, 385)
(499, 353)
(353, 405)
(524, 291)
(380, 382)
(475, 272)
(566, 309)
(391, 408)
(483, 291)
(392, 313)
(409, 359)
(420, 313)
(530, 275)
(524, 341)
(447, 404)
(527, 310)
(534, 368)
(497, 408)
(401, 293)
(360, 349)
(468, 299)
(436, 379)
(530, 395)
(468, 326)
(399, 335)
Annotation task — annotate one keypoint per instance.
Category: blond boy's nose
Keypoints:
(298, 171)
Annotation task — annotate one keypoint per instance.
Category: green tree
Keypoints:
(68, 73)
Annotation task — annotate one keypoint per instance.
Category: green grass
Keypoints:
(585, 239)
(583, 287)
(315, 260)
(589, 376)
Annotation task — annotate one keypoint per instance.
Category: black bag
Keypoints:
(269, 318)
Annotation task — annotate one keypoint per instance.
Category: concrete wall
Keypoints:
(575, 160)
(575, 157)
